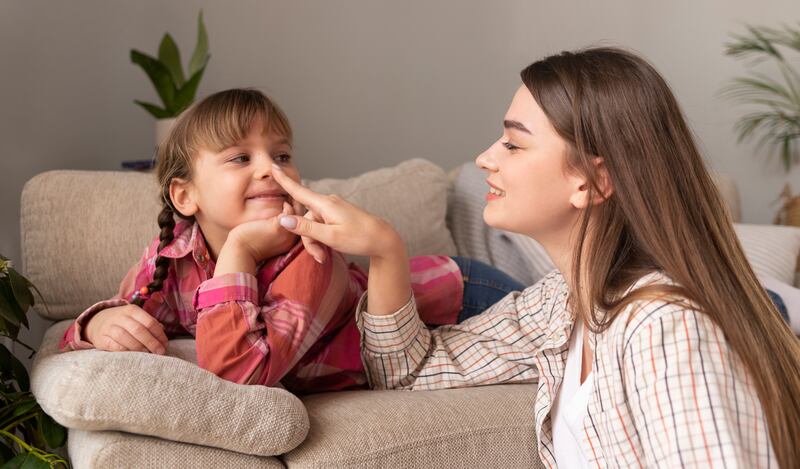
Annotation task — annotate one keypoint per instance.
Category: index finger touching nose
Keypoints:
(298, 192)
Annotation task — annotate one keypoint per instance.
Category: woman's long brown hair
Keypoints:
(665, 215)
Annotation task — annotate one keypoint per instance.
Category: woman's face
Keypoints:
(530, 188)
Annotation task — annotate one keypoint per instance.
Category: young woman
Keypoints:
(653, 343)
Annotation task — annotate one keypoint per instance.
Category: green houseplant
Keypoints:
(175, 89)
(774, 103)
(25, 429)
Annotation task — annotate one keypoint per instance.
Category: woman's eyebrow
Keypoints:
(509, 124)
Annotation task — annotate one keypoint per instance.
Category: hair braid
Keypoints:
(167, 224)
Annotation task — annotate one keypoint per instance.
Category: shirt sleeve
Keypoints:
(497, 346)
(690, 397)
(159, 305)
(249, 340)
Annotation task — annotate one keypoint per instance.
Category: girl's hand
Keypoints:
(126, 328)
(249, 243)
(346, 228)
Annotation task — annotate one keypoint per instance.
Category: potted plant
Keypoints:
(26, 431)
(774, 103)
(175, 89)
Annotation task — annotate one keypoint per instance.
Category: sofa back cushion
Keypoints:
(83, 230)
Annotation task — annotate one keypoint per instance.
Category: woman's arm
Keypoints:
(691, 399)
(497, 346)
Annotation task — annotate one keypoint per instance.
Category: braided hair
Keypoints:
(217, 122)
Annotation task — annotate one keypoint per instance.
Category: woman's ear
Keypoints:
(580, 197)
(182, 196)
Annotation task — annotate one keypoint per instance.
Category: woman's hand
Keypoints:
(346, 228)
(249, 243)
(126, 328)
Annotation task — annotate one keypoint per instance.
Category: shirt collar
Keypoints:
(188, 240)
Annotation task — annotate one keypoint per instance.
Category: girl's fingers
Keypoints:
(144, 337)
(155, 328)
(288, 209)
(124, 338)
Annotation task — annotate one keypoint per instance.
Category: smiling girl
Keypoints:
(264, 306)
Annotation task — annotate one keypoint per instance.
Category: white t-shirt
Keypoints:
(570, 406)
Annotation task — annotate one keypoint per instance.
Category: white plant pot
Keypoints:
(163, 127)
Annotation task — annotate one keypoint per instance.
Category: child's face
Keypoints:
(235, 185)
(527, 166)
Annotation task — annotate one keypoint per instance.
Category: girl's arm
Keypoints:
(126, 326)
(249, 341)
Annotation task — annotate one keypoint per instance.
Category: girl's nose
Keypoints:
(486, 160)
(263, 167)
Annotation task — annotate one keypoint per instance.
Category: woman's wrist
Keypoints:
(389, 280)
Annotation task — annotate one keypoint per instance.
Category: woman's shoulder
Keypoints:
(659, 311)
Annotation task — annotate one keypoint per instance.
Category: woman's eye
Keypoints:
(510, 146)
(283, 158)
(240, 159)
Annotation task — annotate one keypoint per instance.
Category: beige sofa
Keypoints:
(82, 230)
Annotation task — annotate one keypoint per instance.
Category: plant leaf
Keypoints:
(7, 312)
(6, 453)
(159, 75)
(200, 55)
(185, 95)
(25, 407)
(7, 292)
(54, 433)
(170, 56)
(12, 365)
(156, 111)
(19, 285)
(26, 460)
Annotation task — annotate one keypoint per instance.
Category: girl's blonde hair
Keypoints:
(666, 215)
(217, 122)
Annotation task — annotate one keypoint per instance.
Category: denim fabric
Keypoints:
(778, 301)
(484, 286)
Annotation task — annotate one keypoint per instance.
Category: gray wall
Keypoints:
(365, 83)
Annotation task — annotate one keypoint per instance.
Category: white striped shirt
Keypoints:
(668, 392)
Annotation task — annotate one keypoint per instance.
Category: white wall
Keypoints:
(366, 83)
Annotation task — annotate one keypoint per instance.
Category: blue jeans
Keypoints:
(778, 302)
(484, 286)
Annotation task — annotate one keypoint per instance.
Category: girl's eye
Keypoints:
(283, 158)
(240, 159)
(510, 146)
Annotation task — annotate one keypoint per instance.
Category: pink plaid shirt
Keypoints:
(292, 322)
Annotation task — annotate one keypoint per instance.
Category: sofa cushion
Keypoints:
(163, 396)
(83, 230)
(96, 450)
(491, 426)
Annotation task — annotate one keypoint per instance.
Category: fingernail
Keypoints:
(319, 261)
(276, 167)
(288, 222)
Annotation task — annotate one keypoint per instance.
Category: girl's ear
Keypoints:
(580, 197)
(182, 195)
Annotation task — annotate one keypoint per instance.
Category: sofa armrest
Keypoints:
(163, 396)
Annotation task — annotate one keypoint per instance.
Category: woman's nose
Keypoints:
(486, 160)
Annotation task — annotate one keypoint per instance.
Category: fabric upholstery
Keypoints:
(490, 426)
(163, 396)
